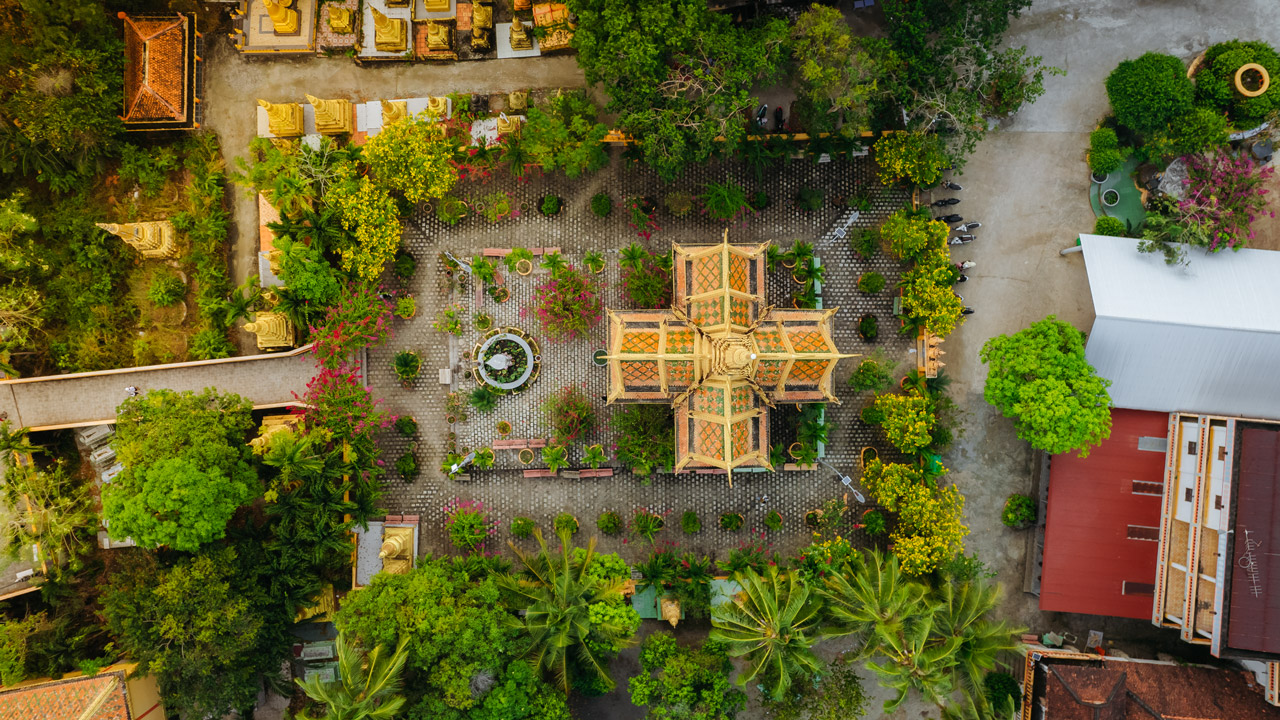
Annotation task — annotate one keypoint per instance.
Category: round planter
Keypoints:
(524, 267)
(596, 269)
(501, 295)
(1110, 198)
(813, 518)
(798, 280)
(503, 427)
(598, 357)
(451, 419)
(526, 456)
(1100, 179)
(1263, 83)
(794, 450)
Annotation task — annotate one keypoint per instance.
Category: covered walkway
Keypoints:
(54, 402)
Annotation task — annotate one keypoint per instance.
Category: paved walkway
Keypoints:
(53, 402)
(233, 84)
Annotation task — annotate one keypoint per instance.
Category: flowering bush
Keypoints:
(908, 420)
(646, 281)
(368, 210)
(337, 402)
(567, 305)
(1225, 195)
(412, 158)
(646, 437)
(570, 415)
(643, 217)
(927, 298)
(361, 318)
(914, 157)
(915, 236)
(824, 558)
(449, 320)
(468, 524)
(929, 530)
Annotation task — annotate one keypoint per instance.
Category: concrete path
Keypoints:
(234, 83)
(61, 401)
(1028, 185)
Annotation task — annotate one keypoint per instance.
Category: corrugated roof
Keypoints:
(1199, 338)
(1253, 622)
(1137, 690)
(1088, 555)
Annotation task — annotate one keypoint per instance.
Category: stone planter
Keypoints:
(524, 267)
(1099, 179)
(1110, 198)
(526, 456)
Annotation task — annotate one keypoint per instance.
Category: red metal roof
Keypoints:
(1253, 622)
(1088, 555)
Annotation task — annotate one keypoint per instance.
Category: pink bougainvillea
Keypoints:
(567, 305)
(338, 402)
(1225, 195)
(361, 318)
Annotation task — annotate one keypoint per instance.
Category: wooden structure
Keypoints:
(161, 72)
(721, 357)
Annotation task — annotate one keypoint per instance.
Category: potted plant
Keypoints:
(773, 521)
(731, 521)
(594, 456)
(1019, 512)
(407, 364)
(513, 258)
(566, 522)
(678, 203)
(689, 523)
(759, 200)
(601, 204)
(526, 456)
(484, 459)
(870, 282)
(483, 321)
(406, 307)
(504, 428)
(556, 457)
(550, 205)
(809, 199)
(1110, 197)
(647, 523)
(873, 522)
(813, 518)
(868, 327)
(609, 522)
(594, 262)
(499, 293)
(403, 266)
(451, 210)
(795, 449)
(407, 466)
(522, 527)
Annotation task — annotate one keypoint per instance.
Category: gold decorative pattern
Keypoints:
(710, 439)
(739, 273)
(808, 341)
(709, 400)
(739, 311)
(743, 399)
(807, 372)
(742, 438)
(680, 372)
(769, 372)
(640, 342)
(680, 341)
(769, 341)
(706, 274)
(640, 372)
(707, 312)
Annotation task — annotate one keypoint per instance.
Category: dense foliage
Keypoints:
(1215, 81)
(1148, 93)
(1039, 377)
(565, 134)
(567, 305)
(646, 437)
(929, 530)
(676, 682)
(412, 157)
(186, 468)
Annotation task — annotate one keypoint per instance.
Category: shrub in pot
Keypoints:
(773, 521)
(1110, 226)
(689, 523)
(566, 522)
(601, 204)
(406, 425)
(609, 522)
(678, 203)
(1105, 155)
(1019, 511)
(407, 466)
(731, 521)
(868, 327)
(871, 282)
(550, 205)
(522, 527)
(407, 365)
(873, 522)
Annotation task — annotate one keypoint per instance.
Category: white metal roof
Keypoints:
(1204, 337)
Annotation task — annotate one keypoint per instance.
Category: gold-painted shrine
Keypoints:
(721, 356)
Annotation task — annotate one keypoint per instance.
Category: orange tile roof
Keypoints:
(155, 68)
(66, 699)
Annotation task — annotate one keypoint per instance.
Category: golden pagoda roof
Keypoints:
(721, 356)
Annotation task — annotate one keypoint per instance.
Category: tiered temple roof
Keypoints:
(721, 356)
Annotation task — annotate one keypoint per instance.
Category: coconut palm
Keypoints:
(773, 624)
(16, 441)
(915, 656)
(484, 459)
(978, 707)
(242, 300)
(45, 509)
(556, 594)
(963, 615)
(872, 597)
(484, 399)
(293, 455)
(367, 686)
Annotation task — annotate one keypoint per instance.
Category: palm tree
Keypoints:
(555, 456)
(367, 686)
(554, 263)
(774, 624)
(291, 193)
(963, 615)
(242, 300)
(978, 707)
(556, 594)
(594, 456)
(293, 455)
(915, 657)
(633, 257)
(871, 598)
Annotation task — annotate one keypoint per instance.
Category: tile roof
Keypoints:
(155, 74)
(67, 699)
(1147, 691)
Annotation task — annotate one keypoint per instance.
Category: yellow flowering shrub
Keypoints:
(412, 158)
(915, 158)
(912, 235)
(928, 298)
(367, 210)
(928, 530)
(908, 420)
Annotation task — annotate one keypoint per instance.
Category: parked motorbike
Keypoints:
(778, 119)
(965, 265)
(966, 227)
(945, 202)
(950, 219)
(948, 185)
(967, 311)
(961, 240)
(762, 118)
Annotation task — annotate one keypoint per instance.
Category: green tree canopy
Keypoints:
(1039, 377)
(367, 686)
(566, 134)
(1148, 93)
(685, 682)
(201, 627)
(186, 468)
(678, 75)
(839, 72)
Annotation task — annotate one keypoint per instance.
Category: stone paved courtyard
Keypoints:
(576, 231)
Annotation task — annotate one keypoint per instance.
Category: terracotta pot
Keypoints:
(526, 456)
(794, 450)
(524, 267)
